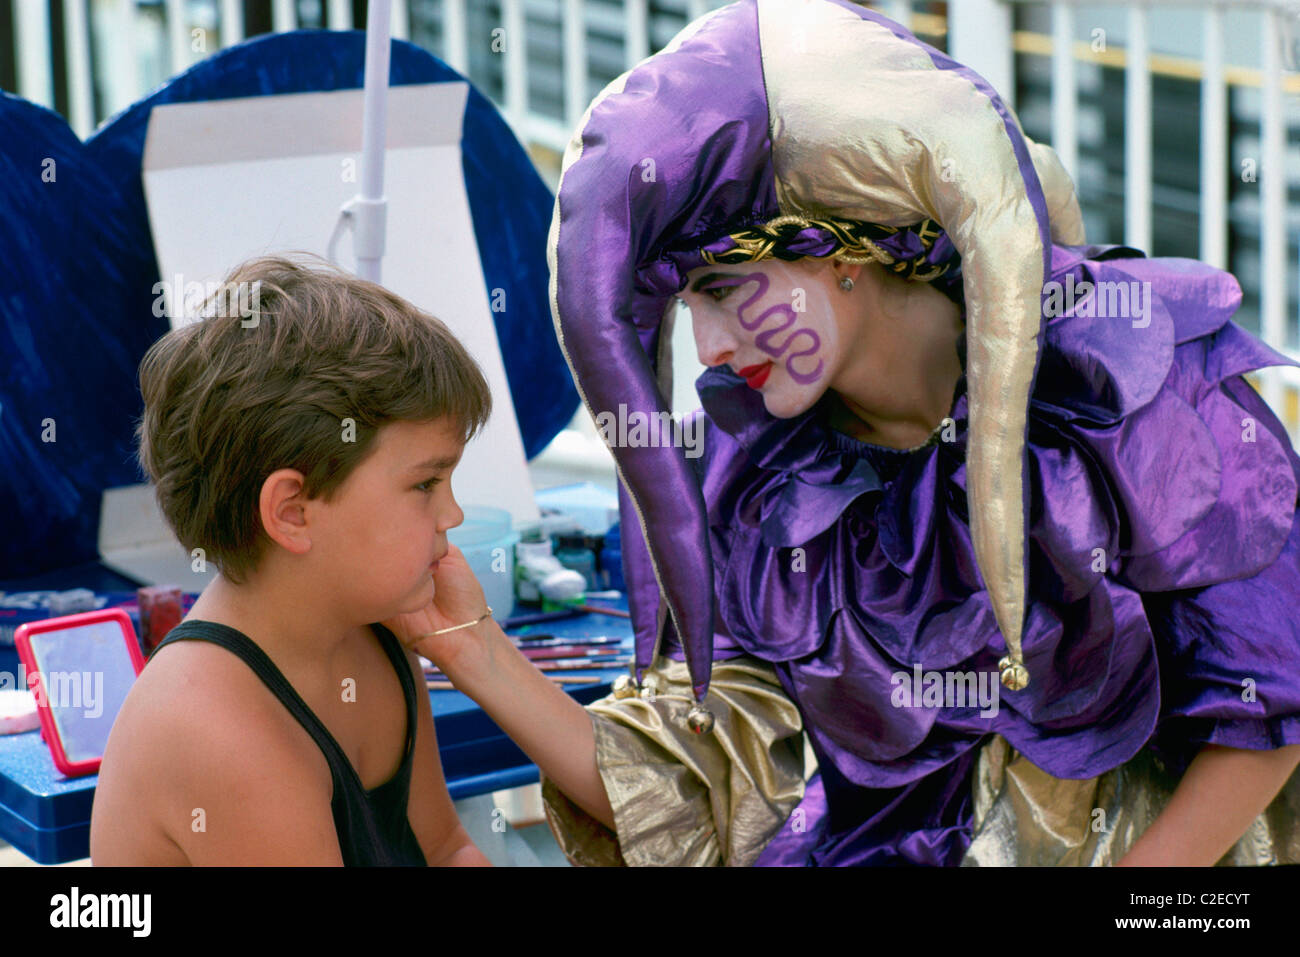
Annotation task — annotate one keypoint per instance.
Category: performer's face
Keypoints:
(779, 325)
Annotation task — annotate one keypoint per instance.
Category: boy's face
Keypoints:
(376, 543)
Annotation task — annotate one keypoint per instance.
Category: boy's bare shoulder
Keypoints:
(198, 729)
(198, 718)
(195, 698)
(204, 765)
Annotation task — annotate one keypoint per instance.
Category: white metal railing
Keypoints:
(979, 33)
(1280, 386)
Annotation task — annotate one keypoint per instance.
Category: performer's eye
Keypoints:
(712, 292)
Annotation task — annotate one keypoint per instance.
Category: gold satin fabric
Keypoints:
(1026, 817)
(685, 799)
(865, 126)
(719, 798)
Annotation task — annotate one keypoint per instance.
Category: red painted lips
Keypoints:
(755, 376)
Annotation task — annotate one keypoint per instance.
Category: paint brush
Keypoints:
(535, 618)
(567, 651)
(598, 610)
(546, 641)
(583, 664)
(557, 679)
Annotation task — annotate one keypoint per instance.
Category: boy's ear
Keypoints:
(281, 505)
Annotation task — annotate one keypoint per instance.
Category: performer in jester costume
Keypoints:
(986, 512)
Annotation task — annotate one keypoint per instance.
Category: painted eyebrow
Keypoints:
(709, 277)
(437, 465)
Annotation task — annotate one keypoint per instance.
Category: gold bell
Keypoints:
(624, 687)
(650, 688)
(700, 719)
(1014, 673)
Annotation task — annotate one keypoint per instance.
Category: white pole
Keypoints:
(979, 35)
(401, 20)
(81, 108)
(1065, 90)
(516, 64)
(900, 11)
(32, 42)
(121, 77)
(575, 63)
(232, 23)
(340, 15)
(1273, 202)
(370, 209)
(636, 32)
(284, 16)
(1137, 134)
(1214, 145)
(455, 42)
(178, 35)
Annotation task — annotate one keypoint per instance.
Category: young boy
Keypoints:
(305, 447)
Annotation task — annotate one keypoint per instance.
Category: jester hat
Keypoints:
(820, 110)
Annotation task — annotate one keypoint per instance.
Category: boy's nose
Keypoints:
(452, 517)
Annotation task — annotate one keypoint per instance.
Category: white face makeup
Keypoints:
(773, 323)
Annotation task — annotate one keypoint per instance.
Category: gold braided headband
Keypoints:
(768, 240)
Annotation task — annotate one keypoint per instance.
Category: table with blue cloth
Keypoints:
(47, 815)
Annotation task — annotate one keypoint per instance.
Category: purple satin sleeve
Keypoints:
(1229, 651)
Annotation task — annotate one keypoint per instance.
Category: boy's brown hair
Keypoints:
(231, 398)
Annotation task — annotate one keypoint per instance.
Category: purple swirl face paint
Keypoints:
(788, 317)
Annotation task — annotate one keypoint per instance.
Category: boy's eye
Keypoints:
(724, 290)
(428, 484)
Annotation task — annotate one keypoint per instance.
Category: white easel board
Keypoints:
(231, 179)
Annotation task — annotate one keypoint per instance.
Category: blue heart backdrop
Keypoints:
(77, 273)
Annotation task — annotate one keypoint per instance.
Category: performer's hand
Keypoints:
(457, 598)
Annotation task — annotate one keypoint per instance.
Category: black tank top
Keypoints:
(372, 826)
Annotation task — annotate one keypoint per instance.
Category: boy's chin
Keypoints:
(420, 596)
(415, 600)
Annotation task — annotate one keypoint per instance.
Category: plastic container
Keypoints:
(574, 553)
(611, 558)
(541, 578)
(160, 612)
(593, 507)
(488, 539)
(22, 607)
